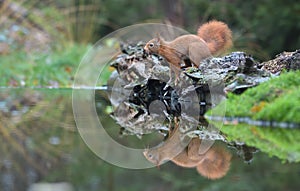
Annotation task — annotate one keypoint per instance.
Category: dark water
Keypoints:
(41, 149)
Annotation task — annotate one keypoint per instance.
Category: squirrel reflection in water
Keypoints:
(212, 164)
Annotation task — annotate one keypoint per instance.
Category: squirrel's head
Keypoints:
(152, 156)
(153, 45)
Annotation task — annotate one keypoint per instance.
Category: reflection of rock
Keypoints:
(244, 151)
(149, 107)
(126, 116)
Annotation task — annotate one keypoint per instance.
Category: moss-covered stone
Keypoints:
(276, 100)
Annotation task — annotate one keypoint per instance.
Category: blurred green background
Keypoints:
(42, 42)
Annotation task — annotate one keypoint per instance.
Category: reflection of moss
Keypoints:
(282, 143)
(276, 100)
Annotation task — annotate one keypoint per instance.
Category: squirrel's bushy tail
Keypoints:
(217, 35)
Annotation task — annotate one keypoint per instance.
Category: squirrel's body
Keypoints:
(212, 164)
(182, 159)
(174, 51)
(215, 163)
(212, 38)
(168, 149)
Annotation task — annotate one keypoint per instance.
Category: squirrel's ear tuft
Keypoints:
(158, 37)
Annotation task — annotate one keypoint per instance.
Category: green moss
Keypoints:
(277, 99)
(285, 108)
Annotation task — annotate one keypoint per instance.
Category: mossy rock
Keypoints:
(275, 100)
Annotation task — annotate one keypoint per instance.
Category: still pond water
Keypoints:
(41, 149)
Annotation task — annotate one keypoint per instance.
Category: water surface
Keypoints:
(40, 143)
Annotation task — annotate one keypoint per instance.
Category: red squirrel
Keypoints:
(168, 149)
(212, 38)
(213, 164)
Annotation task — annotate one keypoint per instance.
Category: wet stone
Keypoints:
(283, 61)
(143, 79)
